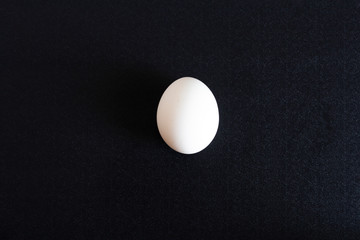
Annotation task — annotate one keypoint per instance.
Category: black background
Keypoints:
(81, 156)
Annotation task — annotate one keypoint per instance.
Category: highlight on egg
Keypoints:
(187, 116)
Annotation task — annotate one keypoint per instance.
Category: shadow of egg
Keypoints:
(128, 96)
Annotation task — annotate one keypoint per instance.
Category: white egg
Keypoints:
(187, 116)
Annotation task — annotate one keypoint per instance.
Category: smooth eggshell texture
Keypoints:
(187, 116)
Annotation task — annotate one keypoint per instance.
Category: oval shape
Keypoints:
(187, 116)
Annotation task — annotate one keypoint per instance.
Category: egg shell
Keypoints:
(188, 115)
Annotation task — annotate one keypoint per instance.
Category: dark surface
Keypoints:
(81, 157)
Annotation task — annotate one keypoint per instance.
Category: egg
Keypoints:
(187, 115)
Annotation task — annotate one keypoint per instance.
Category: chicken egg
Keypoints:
(187, 116)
